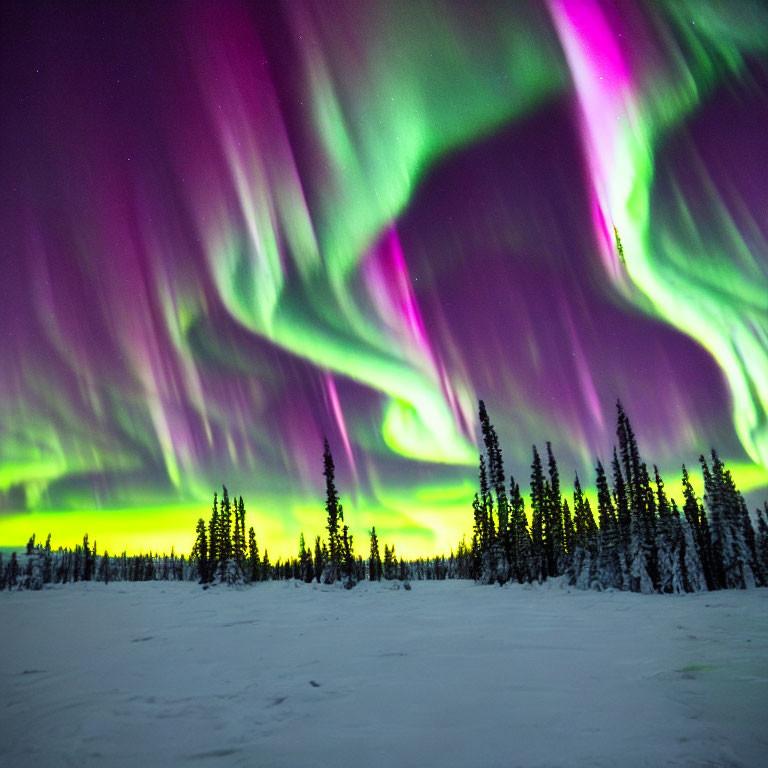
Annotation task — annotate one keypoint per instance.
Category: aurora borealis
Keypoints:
(231, 229)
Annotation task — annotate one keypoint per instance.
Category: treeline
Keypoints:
(640, 540)
(42, 565)
(223, 554)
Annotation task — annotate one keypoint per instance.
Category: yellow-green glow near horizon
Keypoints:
(430, 521)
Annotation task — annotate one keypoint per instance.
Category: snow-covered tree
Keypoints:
(729, 547)
(374, 561)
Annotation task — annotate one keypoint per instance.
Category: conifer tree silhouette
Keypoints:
(538, 501)
(238, 539)
(374, 561)
(621, 500)
(104, 568)
(306, 571)
(266, 567)
(200, 551)
(495, 542)
(348, 556)
(253, 556)
(225, 532)
(699, 526)
(611, 568)
(523, 557)
(214, 550)
(335, 516)
(730, 550)
(761, 541)
(554, 519)
(319, 563)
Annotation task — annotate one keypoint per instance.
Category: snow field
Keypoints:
(291, 675)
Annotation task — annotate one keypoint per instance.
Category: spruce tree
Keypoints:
(611, 568)
(214, 551)
(699, 527)
(480, 530)
(639, 578)
(761, 541)
(47, 562)
(521, 558)
(647, 511)
(485, 492)
(583, 569)
(580, 516)
(319, 563)
(104, 567)
(622, 503)
(201, 551)
(34, 571)
(87, 561)
(538, 512)
(306, 571)
(390, 563)
(569, 532)
(348, 558)
(266, 567)
(12, 571)
(642, 557)
(745, 531)
(374, 561)
(483, 514)
(225, 534)
(495, 542)
(238, 540)
(630, 457)
(335, 517)
(694, 574)
(491, 440)
(236, 529)
(718, 525)
(76, 563)
(554, 518)
(254, 560)
(729, 545)
(669, 543)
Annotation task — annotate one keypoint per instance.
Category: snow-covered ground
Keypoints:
(447, 674)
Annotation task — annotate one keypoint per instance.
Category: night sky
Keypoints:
(231, 229)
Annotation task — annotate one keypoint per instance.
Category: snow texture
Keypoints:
(446, 674)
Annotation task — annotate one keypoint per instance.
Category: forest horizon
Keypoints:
(596, 512)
